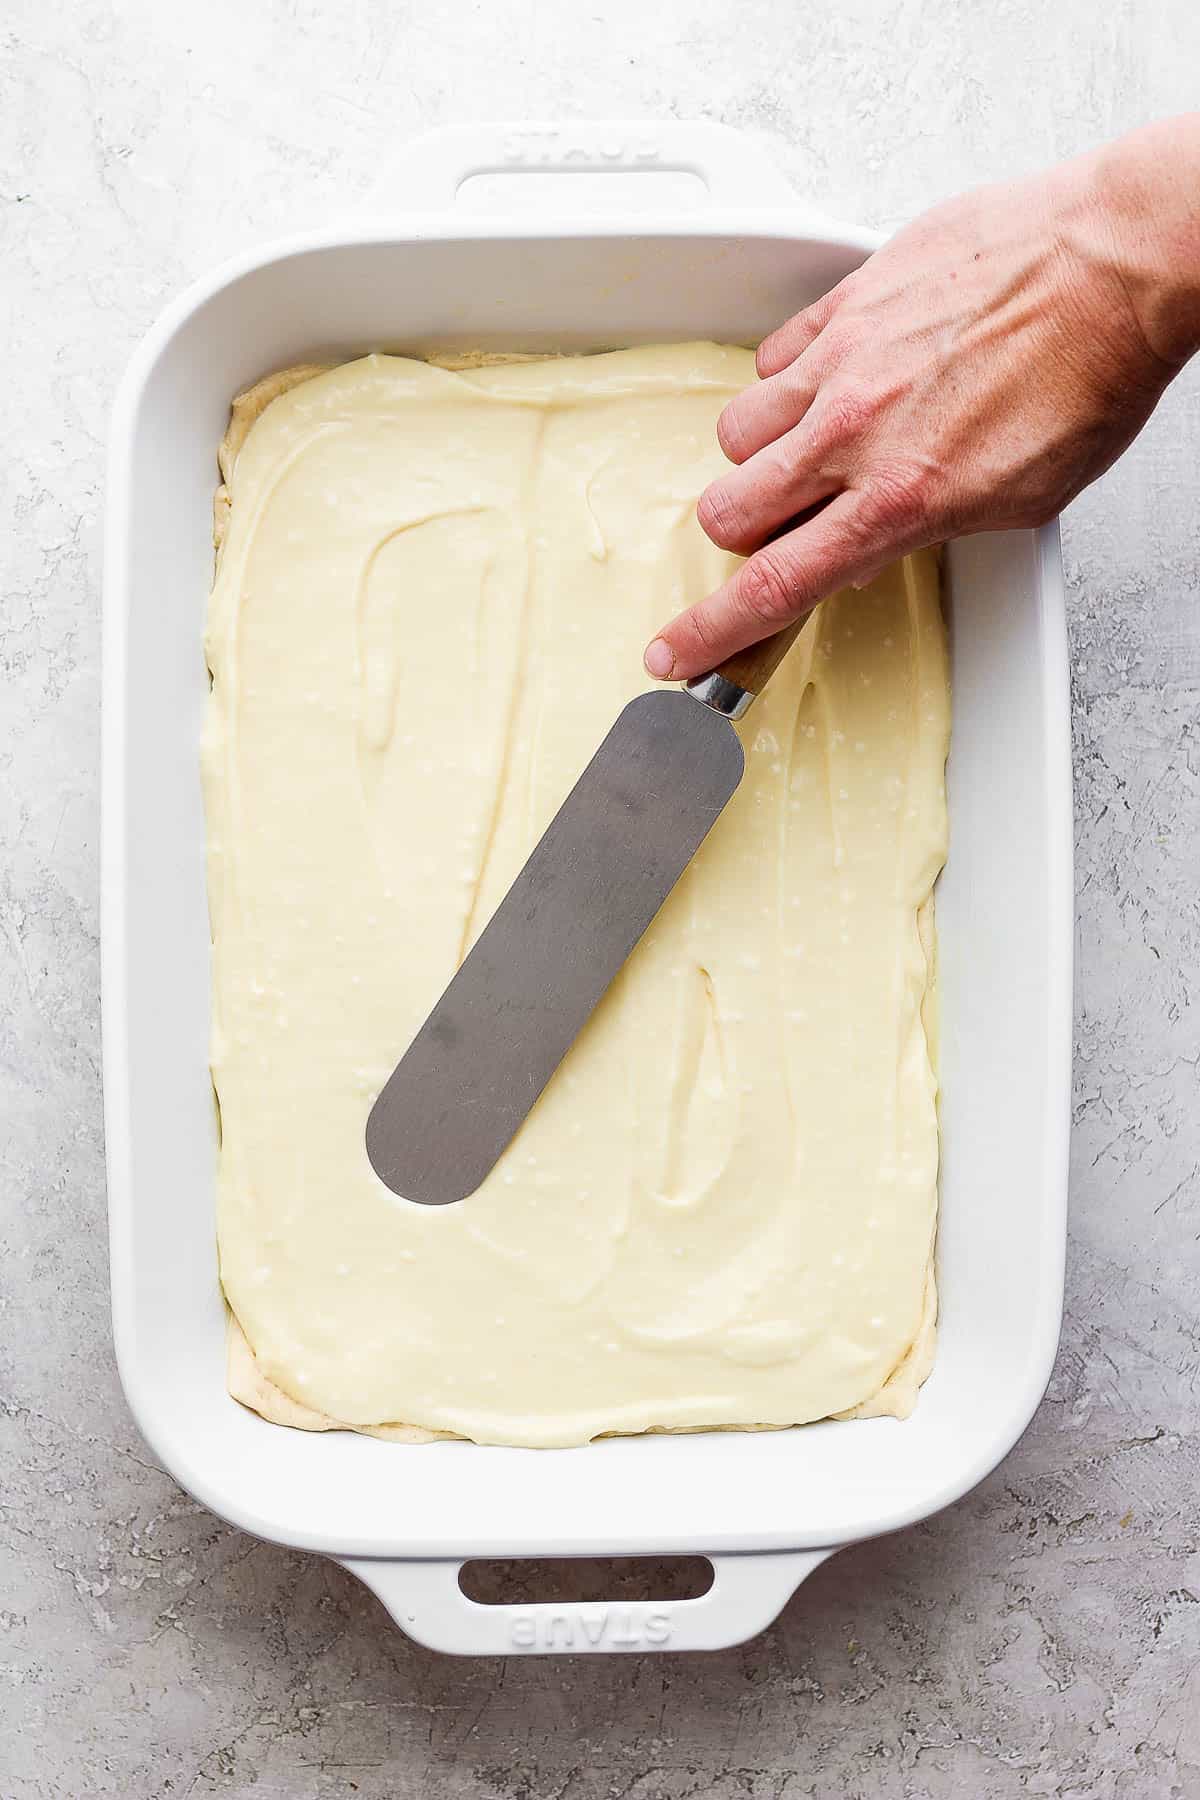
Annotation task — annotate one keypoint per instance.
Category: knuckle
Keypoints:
(703, 631)
(793, 390)
(898, 497)
(766, 590)
(799, 377)
(837, 341)
(721, 517)
(699, 632)
(848, 411)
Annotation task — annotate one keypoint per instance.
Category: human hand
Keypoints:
(973, 375)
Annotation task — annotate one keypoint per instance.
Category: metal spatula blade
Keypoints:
(615, 849)
(613, 852)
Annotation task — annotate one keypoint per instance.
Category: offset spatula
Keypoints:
(618, 844)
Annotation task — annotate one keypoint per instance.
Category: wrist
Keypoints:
(1147, 193)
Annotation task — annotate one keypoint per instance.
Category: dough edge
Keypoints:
(245, 1380)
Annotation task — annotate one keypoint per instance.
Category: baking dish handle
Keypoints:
(748, 1591)
(427, 173)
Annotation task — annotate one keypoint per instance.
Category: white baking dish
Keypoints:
(766, 1507)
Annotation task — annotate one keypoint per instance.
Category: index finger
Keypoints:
(837, 546)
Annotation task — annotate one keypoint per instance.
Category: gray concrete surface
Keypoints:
(1041, 1638)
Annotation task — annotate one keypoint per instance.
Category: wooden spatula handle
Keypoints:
(753, 667)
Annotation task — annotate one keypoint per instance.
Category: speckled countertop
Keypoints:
(1040, 1638)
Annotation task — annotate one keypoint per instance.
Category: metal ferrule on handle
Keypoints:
(730, 688)
(725, 697)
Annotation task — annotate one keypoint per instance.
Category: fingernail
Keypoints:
(659, 659)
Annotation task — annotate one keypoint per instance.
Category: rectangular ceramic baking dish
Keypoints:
(506, 238)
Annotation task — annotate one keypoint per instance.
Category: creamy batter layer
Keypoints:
(433, 591)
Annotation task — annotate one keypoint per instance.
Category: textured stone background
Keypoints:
(1041, 1638)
